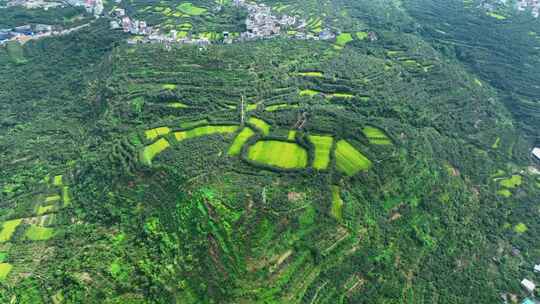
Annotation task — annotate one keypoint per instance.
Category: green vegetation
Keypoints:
(240, 140)
(310, 74)
(190, 9)
(343, 38)
(157, 132)
(349, 160)
(5, 268)
(337, 204)
(16, 52)
(149, 152)
(283, 106)
(323, 145)
(57, 181)
(308, 92)
(511, 182)
(278, 154)
(260, 124)
(376, 136)
(362, 35)
(520, 228)
(8, 227)
(202, 131)
(37, 233)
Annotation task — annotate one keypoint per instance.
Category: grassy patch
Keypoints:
(5, 268)
(65, 196)
(150, 151)
(177, 105)
(157, 132)
(190, 9)
(341, 95)
(282, 106)
(37, 233)
(169, 86)
(310, 74)
(349, 160)
(361, 35)
(496, 16)
(511, 182)
(57, 181)
(240, 140)
(520, 228)
(44, 209)
(202, 131)
(337, 204)
(343, 38)
(322, 144)
(8, 228)
(309, 93)
(504, 192)
(279, 154)
(3, 256)
(53, 198)
(260, 124)
(376, 136)
(291, 135)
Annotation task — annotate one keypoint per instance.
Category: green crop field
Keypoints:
(37, 233)
(52, 198)
(58, 180)
(240, 140)
(376, 136)
(157, 132)
(343, 38)
(8, 228)
(44, 209)
(310, 74)
(309, 92)
(5, 268)
(66, 197)
(349, 160)
(511, 182)
(283, 106)
(205, 130)
(16, 52)
(260, 124)
(190, 9)
(177, 105)
(279, 154)
(149, 152)
(323, 145)
(337, 204)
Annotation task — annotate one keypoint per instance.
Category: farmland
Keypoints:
(378, 153)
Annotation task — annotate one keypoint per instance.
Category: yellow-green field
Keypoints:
(169, 86)
(322, 144)
(5, 268)
(341, 95)
(205, 130)
(309, 92)
(279, 154)
(44, 209)
(504, 192)
(349, 160)
(240, 140)
(8, 228)
(177, 105)
(310, 74)
(37, 233)
(343, 38)
(337, 204)
(260, 124)
(66, 197)
(190, 124)
(291, 135)
(376, 136)
(52, 198)
(150, 151)
(58, 180)
(361, 35)
(521, 228)
(511, 182)
(157, 132)
(190, 9)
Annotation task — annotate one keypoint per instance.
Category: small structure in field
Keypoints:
(528, 285)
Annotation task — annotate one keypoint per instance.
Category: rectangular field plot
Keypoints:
(8, 228)
(260, 124)
(376, 136)
(150, 151)
(240, 140)
(337, 204)
(37, 233)
(349, 160)
(322, 144)
(206, 130)
(279, 154)
(5, 268)
(157, 132)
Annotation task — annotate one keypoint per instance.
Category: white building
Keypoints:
(537, 268)
(536, 152)
(528, 285)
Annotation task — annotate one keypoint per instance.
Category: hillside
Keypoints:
(389, 164)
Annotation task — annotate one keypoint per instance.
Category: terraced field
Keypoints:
(240, 140)
(376, 136)
(349, 160)
(8, 227)
(323, 146)
(149, 152)
(278, 154)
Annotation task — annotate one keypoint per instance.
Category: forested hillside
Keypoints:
(389, 164)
